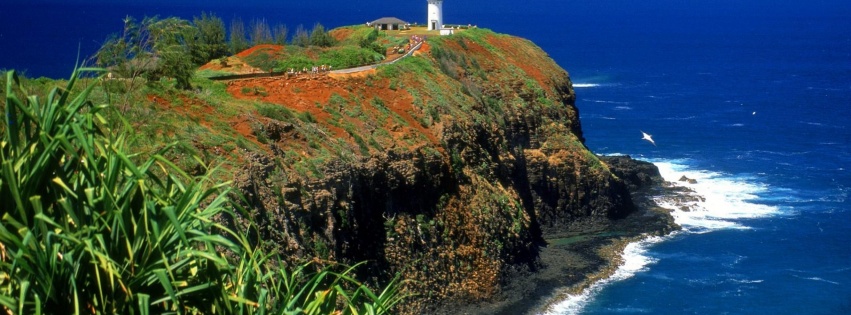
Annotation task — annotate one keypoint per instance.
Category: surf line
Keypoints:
(711, 201)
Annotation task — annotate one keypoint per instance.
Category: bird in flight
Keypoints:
(647, 137)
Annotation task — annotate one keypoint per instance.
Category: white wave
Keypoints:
(818, 124)
(746, 281)
(605, 101)
(623, 108)
(819, 279)
(681, 118)
(635, 260)
(780, 153)
(585, 85)
(720, 199)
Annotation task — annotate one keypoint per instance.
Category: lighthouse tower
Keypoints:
(435, 15)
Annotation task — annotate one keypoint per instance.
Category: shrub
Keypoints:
(349, 56)
(307, 117)
(274, 111)
(85, 229)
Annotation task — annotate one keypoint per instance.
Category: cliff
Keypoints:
(451, 167)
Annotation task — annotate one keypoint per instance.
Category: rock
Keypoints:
(688, 180)
(636, 174)
(452, 206)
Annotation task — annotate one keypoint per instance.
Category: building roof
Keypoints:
(388, 20)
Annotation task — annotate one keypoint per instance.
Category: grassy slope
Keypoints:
(476, 79)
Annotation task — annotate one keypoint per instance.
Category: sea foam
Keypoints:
(585, 85)
(717, 201)
(635, 260)
(721, 199)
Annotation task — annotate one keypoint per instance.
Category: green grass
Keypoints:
(90, 227)
(339, 57)
(206, 74)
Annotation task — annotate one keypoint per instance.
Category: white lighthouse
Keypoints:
(435, 15)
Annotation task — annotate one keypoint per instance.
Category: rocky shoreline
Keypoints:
(576, 257)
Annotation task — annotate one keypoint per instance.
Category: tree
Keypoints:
(172, 39)
(369, 42)
(280, 34)
(211, 43)
(320, 37)
(151, 49)
(260, 32)
(301, 38)
(238, 42)
(128, 54)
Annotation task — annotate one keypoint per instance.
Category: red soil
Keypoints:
(424, 49)
(234, 65)
(197, 110)
(268, 48)
(523, 57)
(340, 34)
(312, 94)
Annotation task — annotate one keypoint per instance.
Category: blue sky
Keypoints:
(98, 21)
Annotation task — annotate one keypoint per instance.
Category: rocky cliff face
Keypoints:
(448, 167)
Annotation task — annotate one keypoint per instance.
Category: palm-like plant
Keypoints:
(85, 229)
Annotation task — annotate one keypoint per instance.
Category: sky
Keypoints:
(645, 6)
(530, 15)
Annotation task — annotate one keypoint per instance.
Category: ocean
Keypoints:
(750, 99)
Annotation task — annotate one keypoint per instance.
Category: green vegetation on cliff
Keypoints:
(89, 228)
(449, 167)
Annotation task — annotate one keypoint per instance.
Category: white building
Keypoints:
(435, 15)
(388, 24)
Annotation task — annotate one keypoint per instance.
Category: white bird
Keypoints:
(647, 137)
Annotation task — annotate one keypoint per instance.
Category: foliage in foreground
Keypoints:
(87, 229)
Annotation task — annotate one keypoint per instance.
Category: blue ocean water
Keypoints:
(755, 106)
(751, 99)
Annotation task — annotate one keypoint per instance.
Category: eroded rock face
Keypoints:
(497, 162)
(636, 174)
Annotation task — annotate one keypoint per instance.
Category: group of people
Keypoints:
(415, 40)
(313, 70)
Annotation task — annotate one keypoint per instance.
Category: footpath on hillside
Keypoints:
(418, 43)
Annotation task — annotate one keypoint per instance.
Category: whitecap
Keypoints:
(681, 118)
(747, 281)
(781, 153)
(718, 200)
(819, 279)
(623, 108)
(585, 85)
(818, 124)
(604, 101)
